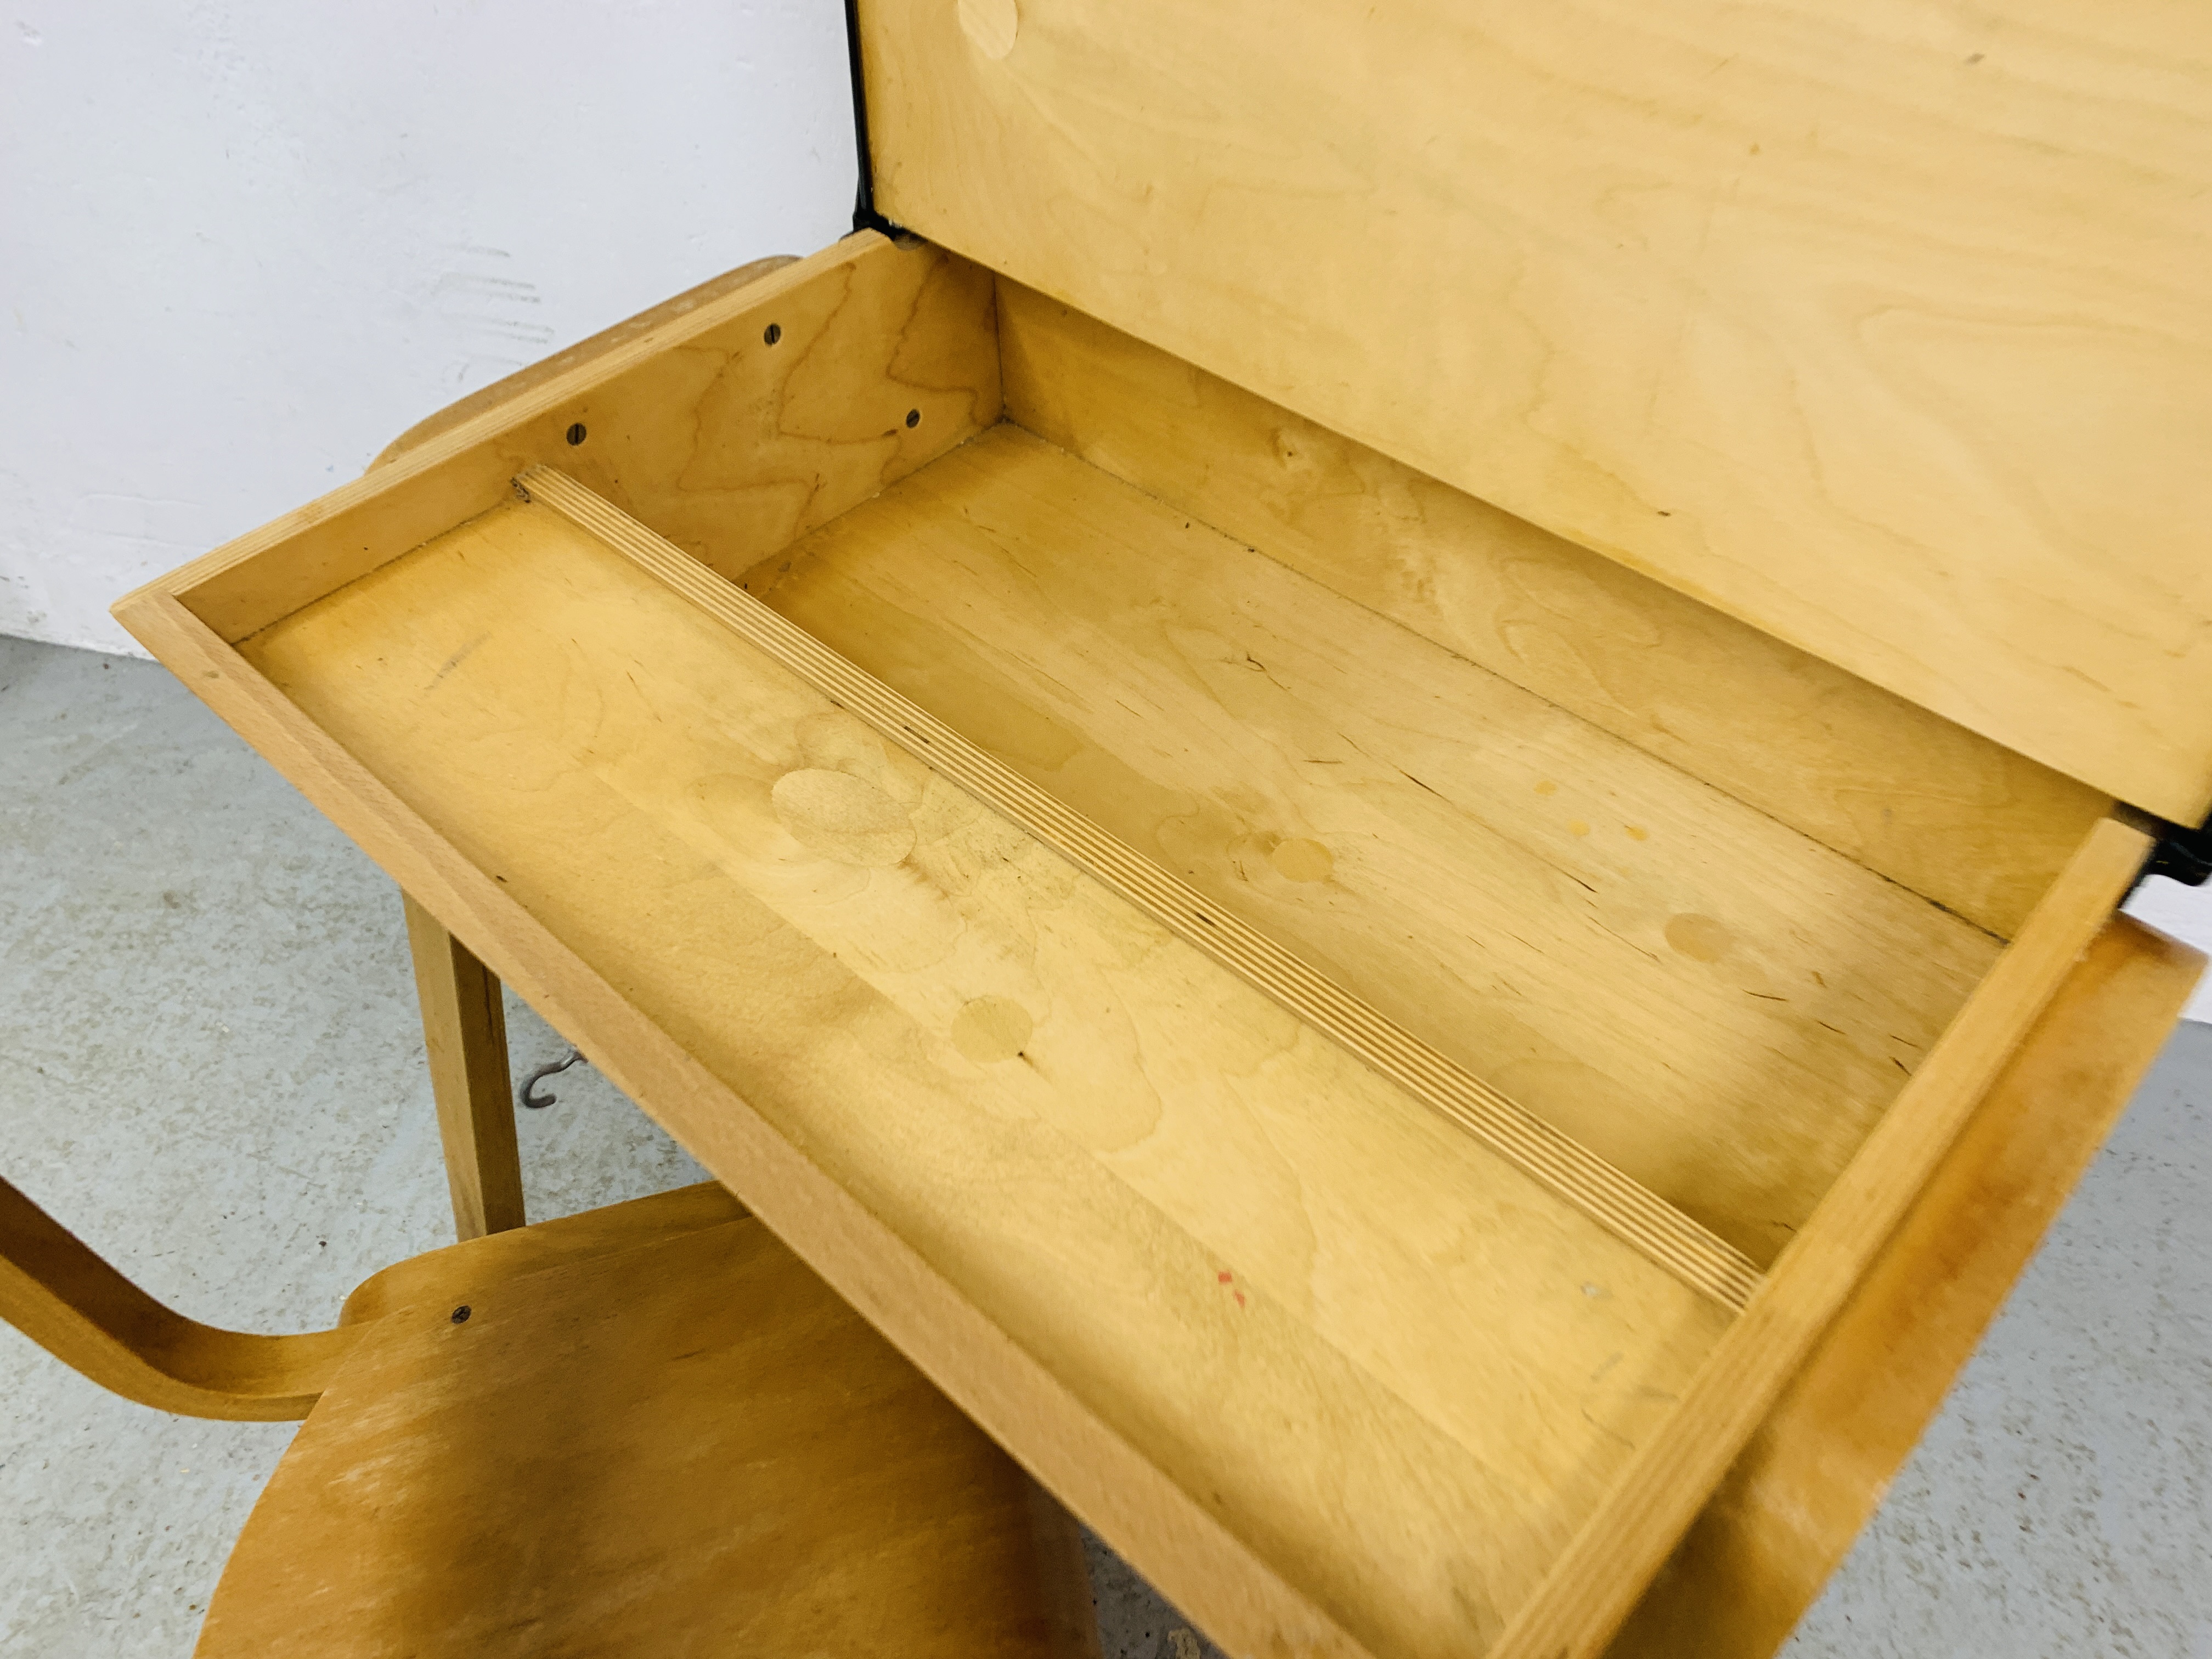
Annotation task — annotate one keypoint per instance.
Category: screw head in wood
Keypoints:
(461, 1313)
(576, 432)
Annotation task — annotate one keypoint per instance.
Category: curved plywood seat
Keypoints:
(691, 1446)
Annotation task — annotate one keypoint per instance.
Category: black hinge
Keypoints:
(2181, 854)
(865, 216)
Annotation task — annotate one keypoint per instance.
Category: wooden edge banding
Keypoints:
(58, 1292)
(1629, 1211)
(1598, 1578)
(1192, 1557)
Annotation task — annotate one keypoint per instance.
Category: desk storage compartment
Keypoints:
(1370, 1046)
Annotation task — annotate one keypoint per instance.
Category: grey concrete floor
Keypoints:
(210, 1068)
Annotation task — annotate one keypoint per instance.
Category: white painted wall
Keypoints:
(242, 245)
(2185, 913)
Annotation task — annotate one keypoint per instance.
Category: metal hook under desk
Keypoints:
(535, 1101)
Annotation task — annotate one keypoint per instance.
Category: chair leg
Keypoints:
(465, 1030)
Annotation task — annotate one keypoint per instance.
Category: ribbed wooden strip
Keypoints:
(1622, 1205)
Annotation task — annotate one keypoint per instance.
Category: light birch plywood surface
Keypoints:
(1538, 1149)
(1881, 327)
(1707, 999)
(1400, 1372)
(1949, 814)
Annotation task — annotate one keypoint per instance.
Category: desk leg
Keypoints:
(464, 1029)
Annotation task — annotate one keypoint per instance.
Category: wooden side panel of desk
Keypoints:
(511, 391)
(1787, 1513)
(733, 426)
(1595, 1584)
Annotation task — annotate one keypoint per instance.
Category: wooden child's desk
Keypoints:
(1446, 1083)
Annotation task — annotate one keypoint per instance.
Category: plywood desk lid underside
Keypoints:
(1883, 329)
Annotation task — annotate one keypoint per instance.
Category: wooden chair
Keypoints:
(647, 1429)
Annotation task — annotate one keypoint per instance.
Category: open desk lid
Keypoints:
(1886, 328)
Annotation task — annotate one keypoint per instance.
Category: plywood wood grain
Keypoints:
(1881, 328)
(1530, 1144)
(1391, 1368)
(1704, 997)
(1951, 816)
